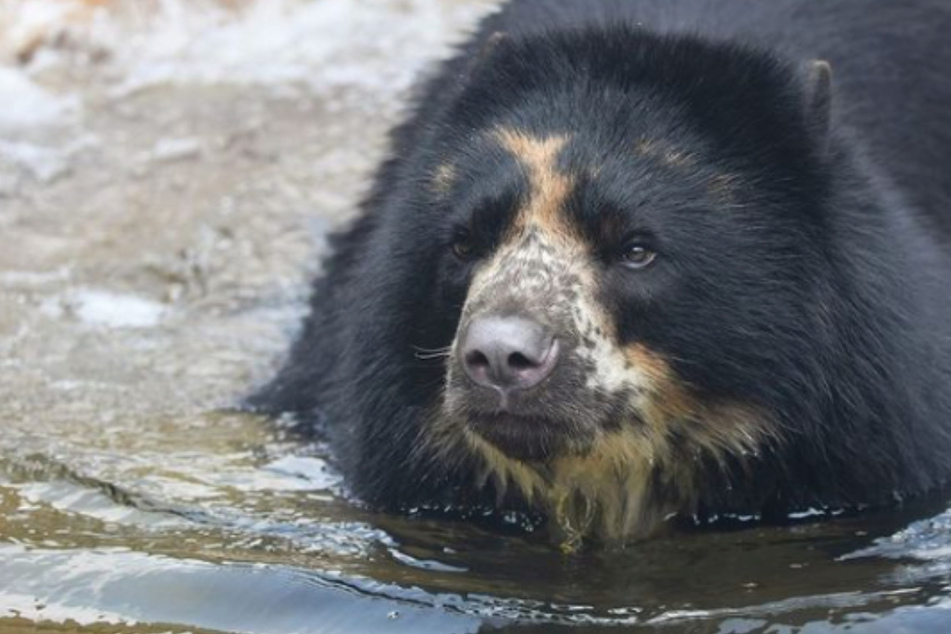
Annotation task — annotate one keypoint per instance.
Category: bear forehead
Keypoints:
(566, 180)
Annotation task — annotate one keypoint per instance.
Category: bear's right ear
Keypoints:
(819, 99)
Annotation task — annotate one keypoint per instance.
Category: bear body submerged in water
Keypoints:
(638, 259)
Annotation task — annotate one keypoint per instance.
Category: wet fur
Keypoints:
(804, 362)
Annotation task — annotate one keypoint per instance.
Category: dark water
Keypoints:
(228, 527)
(163, 198)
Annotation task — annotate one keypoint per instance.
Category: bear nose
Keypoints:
(508, 353)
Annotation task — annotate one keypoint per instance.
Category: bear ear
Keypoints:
(819, 99)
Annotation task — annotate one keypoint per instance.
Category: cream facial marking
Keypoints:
(549, 188)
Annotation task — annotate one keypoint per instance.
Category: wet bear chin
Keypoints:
(523, 438)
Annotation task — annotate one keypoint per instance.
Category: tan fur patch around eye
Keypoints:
(549, 188)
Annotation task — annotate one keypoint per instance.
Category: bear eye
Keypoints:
(637, 255)
(462, 244)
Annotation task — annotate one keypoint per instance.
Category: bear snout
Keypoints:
(507, 353)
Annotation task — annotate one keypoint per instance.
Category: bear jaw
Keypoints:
(625, 485)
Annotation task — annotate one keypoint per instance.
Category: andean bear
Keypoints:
(637, 260)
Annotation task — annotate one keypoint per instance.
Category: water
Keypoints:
(163, 198)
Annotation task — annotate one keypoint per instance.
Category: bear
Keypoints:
(632, 262)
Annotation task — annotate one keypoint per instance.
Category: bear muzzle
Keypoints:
(507, 353)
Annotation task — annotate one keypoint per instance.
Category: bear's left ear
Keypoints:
(819, 99)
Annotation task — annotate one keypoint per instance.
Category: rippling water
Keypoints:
(164, 193)
(217, 521)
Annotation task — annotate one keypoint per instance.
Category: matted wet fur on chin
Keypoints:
(615, 485)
